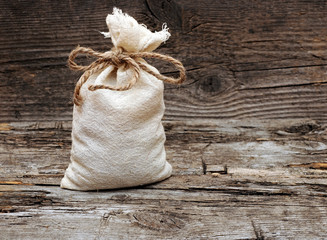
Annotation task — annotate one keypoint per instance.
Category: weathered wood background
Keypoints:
(246, 134)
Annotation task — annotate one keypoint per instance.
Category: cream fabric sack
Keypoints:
(117, 136)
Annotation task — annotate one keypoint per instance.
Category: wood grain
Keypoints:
(160, 214)
(232, 180)
(38, 152)
(245, 59)
(246, 134)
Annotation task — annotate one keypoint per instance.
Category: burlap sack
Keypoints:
(117, 136)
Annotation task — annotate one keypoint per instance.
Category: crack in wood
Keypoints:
(316, 83)
(217, 169)
(257, 231)
(245, 192)
(204, 165)
(315, 165)
(282, 68)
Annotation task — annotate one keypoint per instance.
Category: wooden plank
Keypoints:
(43, 212)
(245, 59)
(258, 173)
(38, 152)
(274, 186)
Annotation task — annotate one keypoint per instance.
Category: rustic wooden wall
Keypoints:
(245, 59)
(246, 134)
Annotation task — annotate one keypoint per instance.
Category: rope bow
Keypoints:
(117, 57)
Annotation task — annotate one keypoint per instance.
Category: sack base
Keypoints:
(67, 183)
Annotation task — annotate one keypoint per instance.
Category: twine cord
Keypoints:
(117, 57)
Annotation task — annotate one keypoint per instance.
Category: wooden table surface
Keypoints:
(246, 133)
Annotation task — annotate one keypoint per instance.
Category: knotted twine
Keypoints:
(117, 57)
